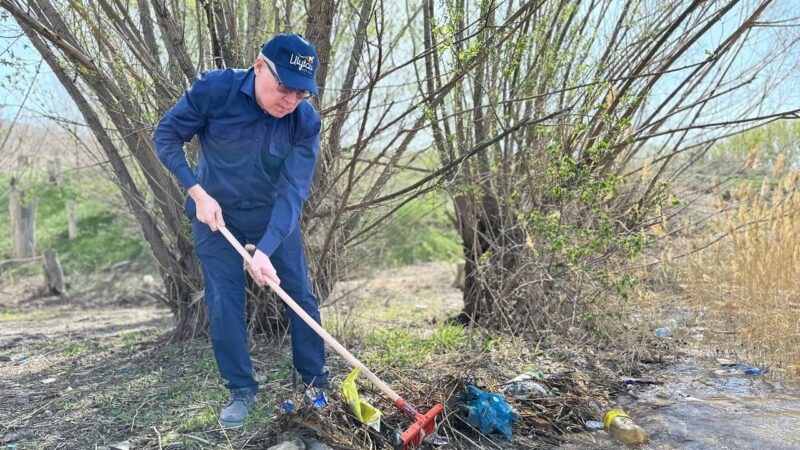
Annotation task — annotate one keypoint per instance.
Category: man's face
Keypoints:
(268, 92)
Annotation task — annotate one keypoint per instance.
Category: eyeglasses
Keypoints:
(301, 94)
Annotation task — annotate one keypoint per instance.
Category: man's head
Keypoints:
(284, 73)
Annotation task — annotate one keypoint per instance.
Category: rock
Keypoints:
(677, 430)
(539, 423)
(16, 436)
(292, 440)
(662, 403)
(313, 444)
(295, 444)
(436, 440)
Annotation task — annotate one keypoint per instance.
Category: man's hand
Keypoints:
(208, 210)
(262, 269)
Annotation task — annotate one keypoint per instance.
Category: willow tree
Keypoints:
(638, 89)
(537, 111)
(125, 63)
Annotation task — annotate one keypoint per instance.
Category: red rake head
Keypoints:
(425, 425)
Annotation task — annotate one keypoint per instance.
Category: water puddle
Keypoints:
(702, 405)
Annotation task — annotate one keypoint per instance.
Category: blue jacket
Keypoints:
(248, 159)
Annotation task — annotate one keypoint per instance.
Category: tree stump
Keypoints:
(53, 274)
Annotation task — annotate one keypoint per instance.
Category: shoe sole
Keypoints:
(231, 425)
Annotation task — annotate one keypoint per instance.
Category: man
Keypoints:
(259, 140)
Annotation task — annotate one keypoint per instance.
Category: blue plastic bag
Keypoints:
(489, 412)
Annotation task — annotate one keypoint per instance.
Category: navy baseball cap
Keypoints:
(295, 61)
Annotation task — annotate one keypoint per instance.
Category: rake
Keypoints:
(424, 425)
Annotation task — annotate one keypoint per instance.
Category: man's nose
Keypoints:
(291, 100)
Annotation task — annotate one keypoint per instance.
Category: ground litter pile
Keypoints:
(547, 402)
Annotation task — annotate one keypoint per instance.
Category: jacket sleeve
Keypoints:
(179, 125)
(294, 184)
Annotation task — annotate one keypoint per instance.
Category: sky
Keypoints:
(28, 87)
(30, 91)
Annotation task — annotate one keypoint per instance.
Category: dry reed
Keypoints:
(750, 280)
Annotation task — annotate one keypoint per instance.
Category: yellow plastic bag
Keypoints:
(365, 412)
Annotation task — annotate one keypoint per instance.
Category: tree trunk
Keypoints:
(23, 223)
(319, 24)
(178, 266)
(253, 37)
(326, 268)
(473, 247)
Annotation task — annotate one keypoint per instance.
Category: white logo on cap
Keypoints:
(303, 63)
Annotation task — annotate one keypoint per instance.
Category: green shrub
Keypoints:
(420, 231)
(106, 234)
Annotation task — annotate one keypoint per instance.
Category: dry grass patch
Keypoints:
(750, 279)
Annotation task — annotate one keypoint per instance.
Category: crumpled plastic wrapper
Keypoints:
(489, 412)
(366, 413)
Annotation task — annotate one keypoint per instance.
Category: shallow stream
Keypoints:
(702, 404)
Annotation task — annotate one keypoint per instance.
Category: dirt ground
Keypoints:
(97, 370)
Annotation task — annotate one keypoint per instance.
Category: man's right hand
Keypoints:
(208, 210)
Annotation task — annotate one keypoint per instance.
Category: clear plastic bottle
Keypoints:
(663, 332)
(593, 425)
(620, 425)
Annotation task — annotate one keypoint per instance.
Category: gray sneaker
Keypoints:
(236, 411)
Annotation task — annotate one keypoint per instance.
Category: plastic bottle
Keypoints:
(620, 425)
(753, 371)
(663, 332)
(593, 425)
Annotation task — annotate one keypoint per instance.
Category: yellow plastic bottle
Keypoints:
(620, 425)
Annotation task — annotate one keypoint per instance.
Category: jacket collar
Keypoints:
(249, 84)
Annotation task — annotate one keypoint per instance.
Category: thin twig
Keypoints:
(159, 437)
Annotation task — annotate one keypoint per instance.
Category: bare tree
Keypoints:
(535, 109)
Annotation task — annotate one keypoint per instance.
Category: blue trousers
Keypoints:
(225, 296)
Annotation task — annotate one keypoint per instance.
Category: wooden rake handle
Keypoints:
(333, 343)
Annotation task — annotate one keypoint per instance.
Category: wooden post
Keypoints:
(53, 274)
(460, 277)
(23, 224)
(72, 225)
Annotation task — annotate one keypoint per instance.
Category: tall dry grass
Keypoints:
(749, 281)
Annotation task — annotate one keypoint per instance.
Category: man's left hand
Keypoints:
(262, 269)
